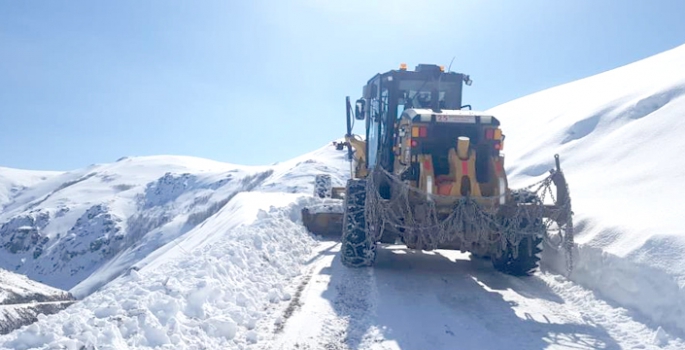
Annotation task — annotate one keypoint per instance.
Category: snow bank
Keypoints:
(208, 291)
(619, 137)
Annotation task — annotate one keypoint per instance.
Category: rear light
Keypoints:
(498, 145)
(414, 143)
(419, 131)
(415, 131)
(489, 134)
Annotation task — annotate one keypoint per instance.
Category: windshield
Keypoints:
(418, 94)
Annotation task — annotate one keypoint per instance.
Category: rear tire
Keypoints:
(525, 263)
(358, 248)
(527, 259)
(323, 187)
(477, 256)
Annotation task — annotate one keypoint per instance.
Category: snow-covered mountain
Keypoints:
(79, 229)
(187, 253)
(619, 135)
(22, 300)
(13, 181)
(63, 230)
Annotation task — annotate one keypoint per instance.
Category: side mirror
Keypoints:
(467, 80)
(359, 109)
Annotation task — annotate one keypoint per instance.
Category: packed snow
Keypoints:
(184, 253)
(446, 300)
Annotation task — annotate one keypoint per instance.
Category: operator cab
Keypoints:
(387, 95)
(417, 116)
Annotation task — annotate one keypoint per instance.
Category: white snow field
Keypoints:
(620, 138)
(214, 256)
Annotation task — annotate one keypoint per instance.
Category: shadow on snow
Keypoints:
(424, 300)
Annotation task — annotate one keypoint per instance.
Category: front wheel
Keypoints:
(358, 248)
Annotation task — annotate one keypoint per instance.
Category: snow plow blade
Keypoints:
(559, 212)
(326, 224)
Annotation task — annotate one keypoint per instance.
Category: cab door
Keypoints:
(373, 121)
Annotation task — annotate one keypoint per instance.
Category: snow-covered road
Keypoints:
(443, 300)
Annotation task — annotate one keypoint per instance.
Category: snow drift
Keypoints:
(205, 290)
(619, 137)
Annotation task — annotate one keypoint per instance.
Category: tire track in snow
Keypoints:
(442, 300)
(294, 303)
(334, 310)
(354, 303)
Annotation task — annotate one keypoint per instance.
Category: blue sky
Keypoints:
(256, 82)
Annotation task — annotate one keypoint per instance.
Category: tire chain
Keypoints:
(469, 221)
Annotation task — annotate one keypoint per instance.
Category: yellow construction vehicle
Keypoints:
(430, 174)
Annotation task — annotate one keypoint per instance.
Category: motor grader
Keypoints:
(430, 174)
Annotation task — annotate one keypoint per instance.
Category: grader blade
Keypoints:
(324, 224)
(561, 211)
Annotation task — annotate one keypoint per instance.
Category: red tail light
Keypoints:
(414, 143)
(423, 131)
(498, 145)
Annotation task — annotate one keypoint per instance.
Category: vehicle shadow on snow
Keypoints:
(330, 250)
(529, 287)
(424, 300)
